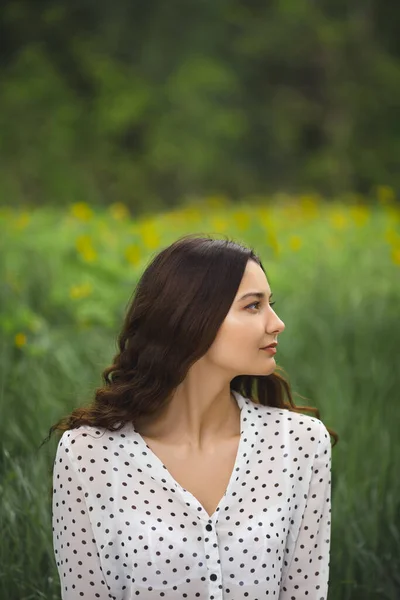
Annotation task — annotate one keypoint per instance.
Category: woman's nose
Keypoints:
(279, 326)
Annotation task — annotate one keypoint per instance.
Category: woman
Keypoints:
(189, 475)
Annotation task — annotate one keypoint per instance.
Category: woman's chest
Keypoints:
(206, 476)
(154, 535)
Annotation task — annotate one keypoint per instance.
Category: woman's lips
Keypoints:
(272, 350)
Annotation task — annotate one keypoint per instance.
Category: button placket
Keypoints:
(213, 563)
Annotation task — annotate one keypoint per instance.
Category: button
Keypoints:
(209, 527)
(213, 577)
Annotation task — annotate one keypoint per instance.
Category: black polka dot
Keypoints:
(124, 527)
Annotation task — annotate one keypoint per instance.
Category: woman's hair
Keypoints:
(177, 308)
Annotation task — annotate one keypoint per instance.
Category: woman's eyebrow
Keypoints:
(257, 294)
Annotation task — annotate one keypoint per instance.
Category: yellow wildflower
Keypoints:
(80, 291)
(85, 248)
(82, 242)
(132, 254)
(392, 236)
(273, 242)
(295, 242)
(360, 214)
(20, 340)
(119, 211)
(218, 223)
(81, 211)
(396, 255)
(22, 220)
(149, 234)
(89, 255)
(338, 219)
(264, 216)
(309, 206)
(393, 214)
(242, 219)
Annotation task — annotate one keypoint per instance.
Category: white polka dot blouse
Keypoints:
(123, 528)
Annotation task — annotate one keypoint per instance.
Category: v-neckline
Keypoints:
(163, 469)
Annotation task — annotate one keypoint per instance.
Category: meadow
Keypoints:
(67, 276)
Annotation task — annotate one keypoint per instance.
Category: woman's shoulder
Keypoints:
(299, 420)
(86, 436)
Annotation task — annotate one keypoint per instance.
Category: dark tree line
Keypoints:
(146, 102)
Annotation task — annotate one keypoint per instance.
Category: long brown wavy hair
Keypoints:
(178, 306)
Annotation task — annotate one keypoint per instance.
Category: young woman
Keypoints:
(190, 475)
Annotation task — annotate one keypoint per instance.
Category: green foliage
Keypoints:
(148, 103)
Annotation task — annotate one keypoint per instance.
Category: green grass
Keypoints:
(335, 278)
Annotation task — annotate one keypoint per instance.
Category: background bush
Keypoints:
(148, 103)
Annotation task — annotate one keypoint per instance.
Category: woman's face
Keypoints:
(250, 324)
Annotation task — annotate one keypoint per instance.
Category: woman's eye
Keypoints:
(254, 303)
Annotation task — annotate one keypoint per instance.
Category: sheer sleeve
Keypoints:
(74, 545)
(307, 572)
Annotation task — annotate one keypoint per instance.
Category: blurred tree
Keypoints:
(147, 102)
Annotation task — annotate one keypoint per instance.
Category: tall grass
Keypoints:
(335, 272)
